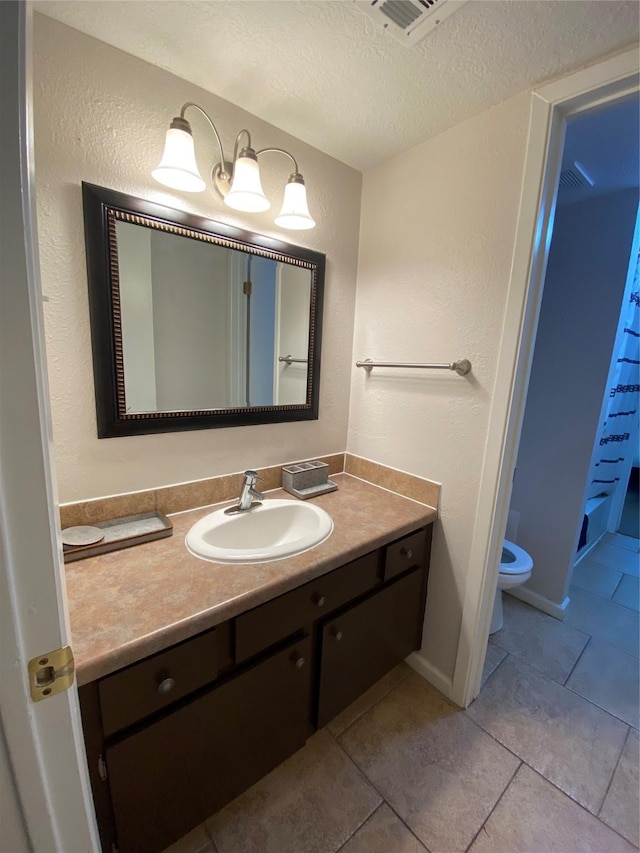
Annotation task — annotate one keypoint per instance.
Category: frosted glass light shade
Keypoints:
(295, 211)
(246, 191)
(178, 168)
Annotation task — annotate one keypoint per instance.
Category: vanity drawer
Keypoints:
(406, 553)
(265, 625)
(143, 688)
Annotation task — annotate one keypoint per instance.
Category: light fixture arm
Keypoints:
(280, 151)
(237, 145)
(222, 172)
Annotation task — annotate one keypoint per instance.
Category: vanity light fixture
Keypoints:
(238, 182)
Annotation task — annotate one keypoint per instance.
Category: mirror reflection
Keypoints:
(207, 327)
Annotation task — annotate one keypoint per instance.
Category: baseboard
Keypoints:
(552, 608)
(580, 556)
(430, 673)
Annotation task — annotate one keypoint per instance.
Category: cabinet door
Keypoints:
(368, 640)
(171, 775)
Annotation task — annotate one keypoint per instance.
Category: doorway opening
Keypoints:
(576, 631)
(552, 105)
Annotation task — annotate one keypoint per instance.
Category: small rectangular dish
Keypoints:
(122, 533)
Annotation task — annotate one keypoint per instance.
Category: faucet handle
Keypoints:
(252, 477)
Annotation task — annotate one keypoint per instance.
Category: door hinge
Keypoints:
(247, 288)
(102, 768)
(51, 673)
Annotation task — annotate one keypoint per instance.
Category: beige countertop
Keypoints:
(131, 603)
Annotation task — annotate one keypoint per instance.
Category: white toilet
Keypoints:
(515, 568)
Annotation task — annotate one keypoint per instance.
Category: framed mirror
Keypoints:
(196, 324)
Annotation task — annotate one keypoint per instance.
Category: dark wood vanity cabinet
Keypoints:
(173, 738)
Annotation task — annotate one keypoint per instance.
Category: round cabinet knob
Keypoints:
(166, 686)
(298, 660)
(406, 552)
(318, 599)
(336, 633)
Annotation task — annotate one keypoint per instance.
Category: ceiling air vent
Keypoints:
(574, 176)
(409, 20)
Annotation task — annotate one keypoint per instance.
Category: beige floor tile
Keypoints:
(312, 803)
(196, 841)
(617, 558)
(628, 592)
(571, 742)
(540, 640)
(438, 771)
(610, 622)
(383, 833)
(368, 699)
(630, 543)
(596, 578)
(535, 817)
(494, 657)
(620, 809)
(609, 678)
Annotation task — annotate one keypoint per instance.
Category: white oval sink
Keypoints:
(276, 529)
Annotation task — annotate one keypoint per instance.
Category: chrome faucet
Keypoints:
(247, 495)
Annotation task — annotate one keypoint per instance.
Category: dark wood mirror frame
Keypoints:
(102, 209)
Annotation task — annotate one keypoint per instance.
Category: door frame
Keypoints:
(599, 84)
(49, 774)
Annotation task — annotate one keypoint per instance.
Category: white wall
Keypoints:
(436, 241)
(136, 305)
(262, 313)
(293, 304)
(191, 322)
(101, 116)
(584, 285)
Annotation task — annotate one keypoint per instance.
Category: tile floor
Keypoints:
(544, 761)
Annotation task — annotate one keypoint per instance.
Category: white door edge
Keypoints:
(44, 739)
(601, 83)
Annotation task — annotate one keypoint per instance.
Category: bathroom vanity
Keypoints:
(178, 733)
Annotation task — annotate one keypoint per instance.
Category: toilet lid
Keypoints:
(514, 562)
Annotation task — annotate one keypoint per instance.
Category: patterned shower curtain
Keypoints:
(617, 439)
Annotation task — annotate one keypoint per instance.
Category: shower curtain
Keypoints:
(617, 439)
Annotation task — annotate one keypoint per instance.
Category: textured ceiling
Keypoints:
(329, 75)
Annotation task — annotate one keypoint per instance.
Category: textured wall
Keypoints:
(583, 290)
(436, 240)
(100, 116)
